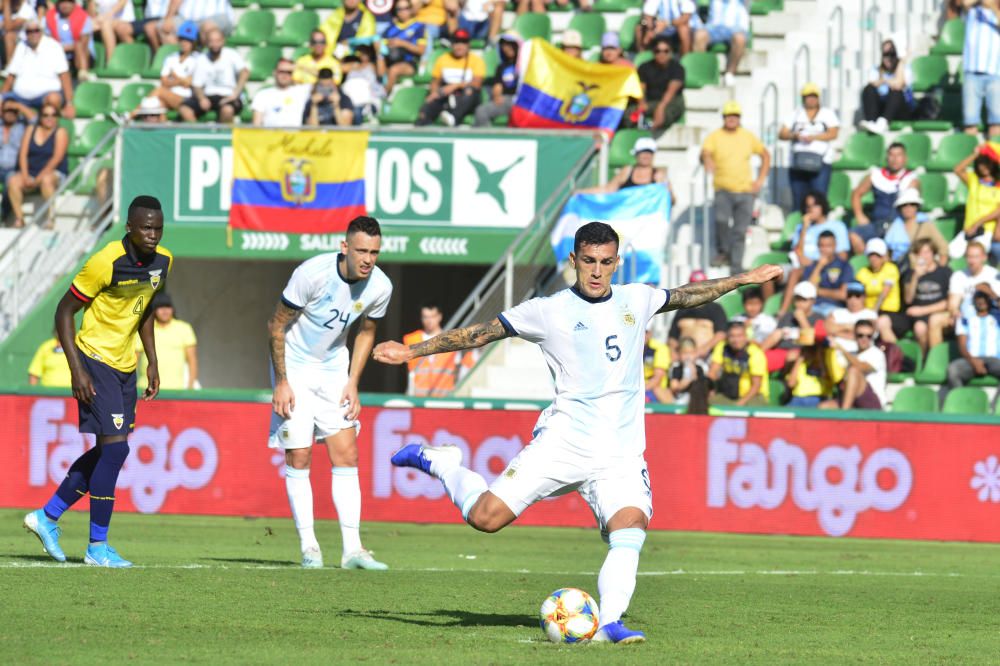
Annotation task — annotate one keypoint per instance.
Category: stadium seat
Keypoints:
(732, 303)
(947, 226)
(322, 5)
(153, 71)
(404, 106)
(534, 24)
(935, 370)
(934, 189)
(958, 264)
(764, 7)
(88, 183)
(295, 29)
(423, 76)
(276, 4)
(131, 95)
(929, 71)
(953, 149)
(773, 304)
(793, 220)
(918, 148)
(92, 99)
(952, 38)
(911, 350)
(626, 34)
(90, 137)
(591, 26)
(67, 124)
(614, 5)
(915, 399)
(254, 27)
(777, 392)
(620, 151)
(858, 261)
(100, 56)
(839, 192)
(492, 59)
(770, 258)
(700, 70)
(261, 60)
(640, 58)
(966, 400)
(127, 60)
(861, 151)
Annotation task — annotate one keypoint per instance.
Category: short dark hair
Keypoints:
(735, 323)
(819, 198)
(368, 225)
(660, 39)
(867, 323)
(431, 305)
(984, 160)
(144, 201)
(896, 144)
(325, 73)
(752, 293)
(827, 234)
(594, 233)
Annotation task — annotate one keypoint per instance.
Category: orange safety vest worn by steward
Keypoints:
(437, 374)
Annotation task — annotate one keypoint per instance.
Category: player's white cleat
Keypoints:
(312, 558)
(362, 559)
(422, 456)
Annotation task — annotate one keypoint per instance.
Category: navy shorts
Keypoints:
(112, 411)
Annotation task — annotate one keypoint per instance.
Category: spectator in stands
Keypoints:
(864, 381)
(739, 370)
(352, 20)
(882, 286)
(981, 66)
(572, 43)
(208, 14)
(726, 155)
(674, 19)
(113, 20)
(840, 323)
(438, 374)
(685, 372)
(361, 83)
(662, 81)
(795, 328)
(759, 324)
(284, 104)
(982, 205)
(925, 295)
(729, 24)
(19, 12)
(705, 324)
(12, 135)
(403, 43)
(805, 237)
(641, 173)
(480, 18)
(504, 82)
(152, 15)
(38, 73)
(885, 183)
(910, 226)
(307, 65)
(812, 129)
(41, 162)
(611, 50)
(176, 347)
(219, 79)
(150, 110)
(978, 343)
(808, 378)
(829, 274)
(889, 93)
(434, 15)
(655, 367)
(73, 29)
(327, 104)
(964, 283)
(49, 366)
(455, 88)
(177, 73)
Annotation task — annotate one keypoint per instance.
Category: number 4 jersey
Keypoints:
(329, 305)
(593, 348)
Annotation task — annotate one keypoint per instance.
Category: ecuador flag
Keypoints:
(560, 91)
(297, 182)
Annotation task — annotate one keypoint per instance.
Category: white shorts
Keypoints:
(318, 412)
(548, 467)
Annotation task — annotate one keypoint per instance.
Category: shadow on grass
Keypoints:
(40, 558)
(446, 618)
(251, 560)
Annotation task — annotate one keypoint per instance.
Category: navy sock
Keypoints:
(102, 488)
(74, 486)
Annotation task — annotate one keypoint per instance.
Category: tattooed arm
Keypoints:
(456, 339)
(283, 399)
(698, 293)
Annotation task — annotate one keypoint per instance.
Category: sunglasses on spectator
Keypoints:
(864, 336)
(286, 71)
(661, 50)
(31, 30)
(853, 295)
(50, 115)
(400, 8)
(317, 41)
(10, 110)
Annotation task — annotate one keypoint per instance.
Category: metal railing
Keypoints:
(835, 60)
(798, 58)
(699, 201)
(769, 132)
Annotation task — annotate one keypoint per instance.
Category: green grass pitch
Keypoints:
(228, 590)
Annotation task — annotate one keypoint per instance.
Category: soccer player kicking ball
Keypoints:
(592, 437)
(316, 384)
(115, 287)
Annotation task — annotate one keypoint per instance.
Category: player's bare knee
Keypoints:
(298, 458)
(628, 518)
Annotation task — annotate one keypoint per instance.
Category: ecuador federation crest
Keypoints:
(579, 105)
(297, 183)
(154, 278)
(118, 420)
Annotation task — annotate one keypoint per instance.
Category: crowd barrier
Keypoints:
(807, 476)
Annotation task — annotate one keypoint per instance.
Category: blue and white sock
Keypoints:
(346, 491)
(300, 498)
(616, 582)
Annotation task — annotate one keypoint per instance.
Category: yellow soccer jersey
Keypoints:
(117, 287)
(50, 366)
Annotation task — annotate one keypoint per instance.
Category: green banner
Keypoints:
(458, 197)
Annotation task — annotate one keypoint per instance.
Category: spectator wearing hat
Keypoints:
(480, 18)
(327, 104)
(284, 104)
(307, 65)
(673, 19)
(925, 295)
(980, 173)
(981, 66)
(113, 20)
(865, 376)
(885, 184)
(882, 285)
(403, 43)
(662, 81)
(572, 43)
(38, 73)
(177, 72)
(176, 347)
(910, 226)
(71, 26)
(812, 129)
(705, 324)
(611, 51)
(889, 93)
(726, 155)
(739, 370)
(978, 343)
(150, 110)
(219, 79)
(455, 88)
(503, 85)
(729, 24)
(641, 173)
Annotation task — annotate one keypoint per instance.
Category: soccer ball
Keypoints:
(569, 615)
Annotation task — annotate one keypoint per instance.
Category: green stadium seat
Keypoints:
(92, 99)
(131, 95)
(839, 192)
(793, 220)
(534, 24)
(491, 59)
(153, 71)
(935, 370)
(276, 4)
(89, 180)
(254, 27)
(934, 189)
(959, 196)
(911, 350)
(295, 29)
(70, 128)
(966, 400)
(732, 303)
(953, 149)
(700, 70)
(90, 137)
(773, 304)
(591, 26)
(764, 7)
(100, 56)
(620, 151)
(614, 5)
(947, 226)
(770, 258)
(861, 151)
(640, 58)
(952, 38)
(918, 148)
(777, 393)
(261, 60)
(626, 34)
(423, 76)
(929, 71)
(127, 60)
(988, 380)
(323, 5)
(858, 261)
(916, 400)
(957, 264)
(404, 106)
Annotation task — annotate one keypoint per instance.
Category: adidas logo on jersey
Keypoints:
(579, 326)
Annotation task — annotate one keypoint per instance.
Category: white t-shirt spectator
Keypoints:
(199, 10)
(127, 12)
(760, 327)
(476, 11)
(282, 107)
(843, 316)
(156, 8)
(181, 68)
(875, 357)
(218, 77)
(964, 284)
(37, 70)
(825, 119)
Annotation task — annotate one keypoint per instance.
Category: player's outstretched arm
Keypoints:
(457, 339)
(698, 293)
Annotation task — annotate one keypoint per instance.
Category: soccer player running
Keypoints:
(592, 437)
(115, 287)
(316, 383)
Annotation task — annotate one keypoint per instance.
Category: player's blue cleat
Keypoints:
(616, 632)
(412, 455)
(103, 555)
(47, 532)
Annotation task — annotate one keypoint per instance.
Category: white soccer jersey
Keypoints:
(594, 351)
(329, 305)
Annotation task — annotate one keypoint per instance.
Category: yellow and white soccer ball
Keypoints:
(569, 615)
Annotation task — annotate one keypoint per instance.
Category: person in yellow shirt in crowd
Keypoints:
(437, 374)
(434, 15)
(726, 155)
(809, 379)
(352, 20)
(49, 366)
(739, 370)
(982, 205)
(455, 88)
(307, 66)
(655, 366)
(176, 346)
(882, 288)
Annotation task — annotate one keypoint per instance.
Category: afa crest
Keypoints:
(297, 183)
(629, 319)
(118, 420)
(358, 307)
(154, 278)
(579, 105)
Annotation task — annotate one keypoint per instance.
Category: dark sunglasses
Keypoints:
(50, 115)
(286, 71)
(32, 30)
(661, 50)
(853, 295)
(10, 110)
(318, 41)
(864, 336)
